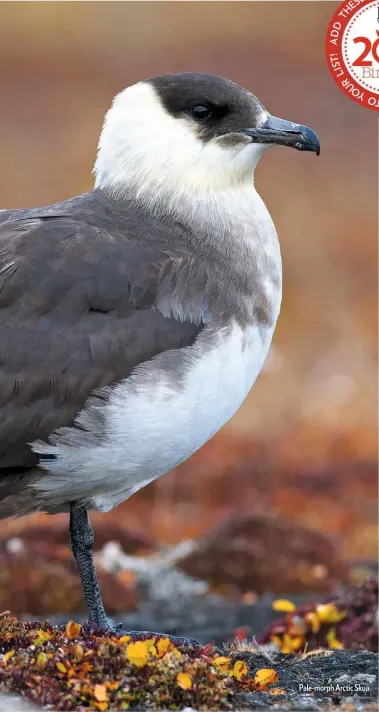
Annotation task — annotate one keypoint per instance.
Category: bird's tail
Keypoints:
(17, 496)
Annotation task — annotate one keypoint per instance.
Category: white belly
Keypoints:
(157, 418)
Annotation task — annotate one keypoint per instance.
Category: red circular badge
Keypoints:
(352, 50)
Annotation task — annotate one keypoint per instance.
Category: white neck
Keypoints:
(146, 153)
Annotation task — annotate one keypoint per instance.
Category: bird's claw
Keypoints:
(178, 641)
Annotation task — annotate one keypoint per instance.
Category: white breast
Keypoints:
(169, 407)
(157, 418)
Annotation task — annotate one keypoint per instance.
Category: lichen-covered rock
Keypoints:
(72, 667)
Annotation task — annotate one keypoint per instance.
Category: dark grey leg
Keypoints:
(81, 541)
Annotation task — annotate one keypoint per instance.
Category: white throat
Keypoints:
(146, 153)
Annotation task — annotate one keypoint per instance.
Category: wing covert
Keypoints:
(79, 309)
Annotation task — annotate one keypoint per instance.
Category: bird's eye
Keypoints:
(200, 112)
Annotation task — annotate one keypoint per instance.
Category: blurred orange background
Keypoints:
(304, 444)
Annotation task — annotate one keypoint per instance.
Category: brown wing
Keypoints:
(78, 310)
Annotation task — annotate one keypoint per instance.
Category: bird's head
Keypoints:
(187, 134)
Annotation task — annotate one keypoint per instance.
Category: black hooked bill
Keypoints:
(285, 133)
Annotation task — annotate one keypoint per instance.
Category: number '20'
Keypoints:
(369, 46)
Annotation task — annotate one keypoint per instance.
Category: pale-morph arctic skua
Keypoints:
(135, 319)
